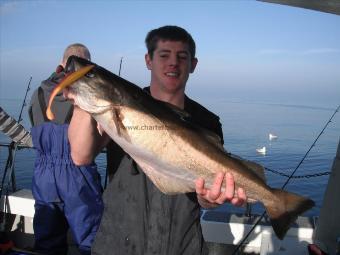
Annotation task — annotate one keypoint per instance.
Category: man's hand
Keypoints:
(214, 196)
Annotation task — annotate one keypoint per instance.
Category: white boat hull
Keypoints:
(220, 229)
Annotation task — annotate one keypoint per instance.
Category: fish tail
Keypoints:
(285, 210)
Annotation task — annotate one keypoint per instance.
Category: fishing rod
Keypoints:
(120, 66)
(289, 178)
(12, 150)
(24, 101)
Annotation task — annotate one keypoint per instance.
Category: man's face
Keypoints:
(170, 66)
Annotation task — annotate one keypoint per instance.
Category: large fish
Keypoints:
(171, 149)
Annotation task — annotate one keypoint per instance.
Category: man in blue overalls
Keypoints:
(66, 196)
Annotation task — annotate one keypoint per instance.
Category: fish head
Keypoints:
(96, 91)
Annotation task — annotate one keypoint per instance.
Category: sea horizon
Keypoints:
(246, 126)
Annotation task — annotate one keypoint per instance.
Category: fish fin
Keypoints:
(115, 116)
(256, 168)
(167, 185)
(251, 165)
(185, 118)
(213, 139)
(184, 115)
(285, 210)
(120, 128)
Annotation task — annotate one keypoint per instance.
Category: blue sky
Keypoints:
(247, 50)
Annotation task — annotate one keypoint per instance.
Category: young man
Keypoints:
(65, 195)
(138, 218)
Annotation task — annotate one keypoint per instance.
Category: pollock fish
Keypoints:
(171, 150)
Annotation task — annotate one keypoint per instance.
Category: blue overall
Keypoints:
(65, 195)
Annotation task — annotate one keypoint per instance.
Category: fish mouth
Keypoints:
(93, 107)
(67, 81)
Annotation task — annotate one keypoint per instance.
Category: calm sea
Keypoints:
(246, 127)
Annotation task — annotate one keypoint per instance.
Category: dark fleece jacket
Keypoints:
(61, 107)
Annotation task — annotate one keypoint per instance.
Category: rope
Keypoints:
(298, 176)
(289, 178)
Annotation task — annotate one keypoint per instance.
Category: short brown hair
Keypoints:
(171, 33)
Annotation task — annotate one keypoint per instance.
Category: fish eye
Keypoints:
(89, 75)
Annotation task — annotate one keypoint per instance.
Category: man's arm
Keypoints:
(84, 138)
